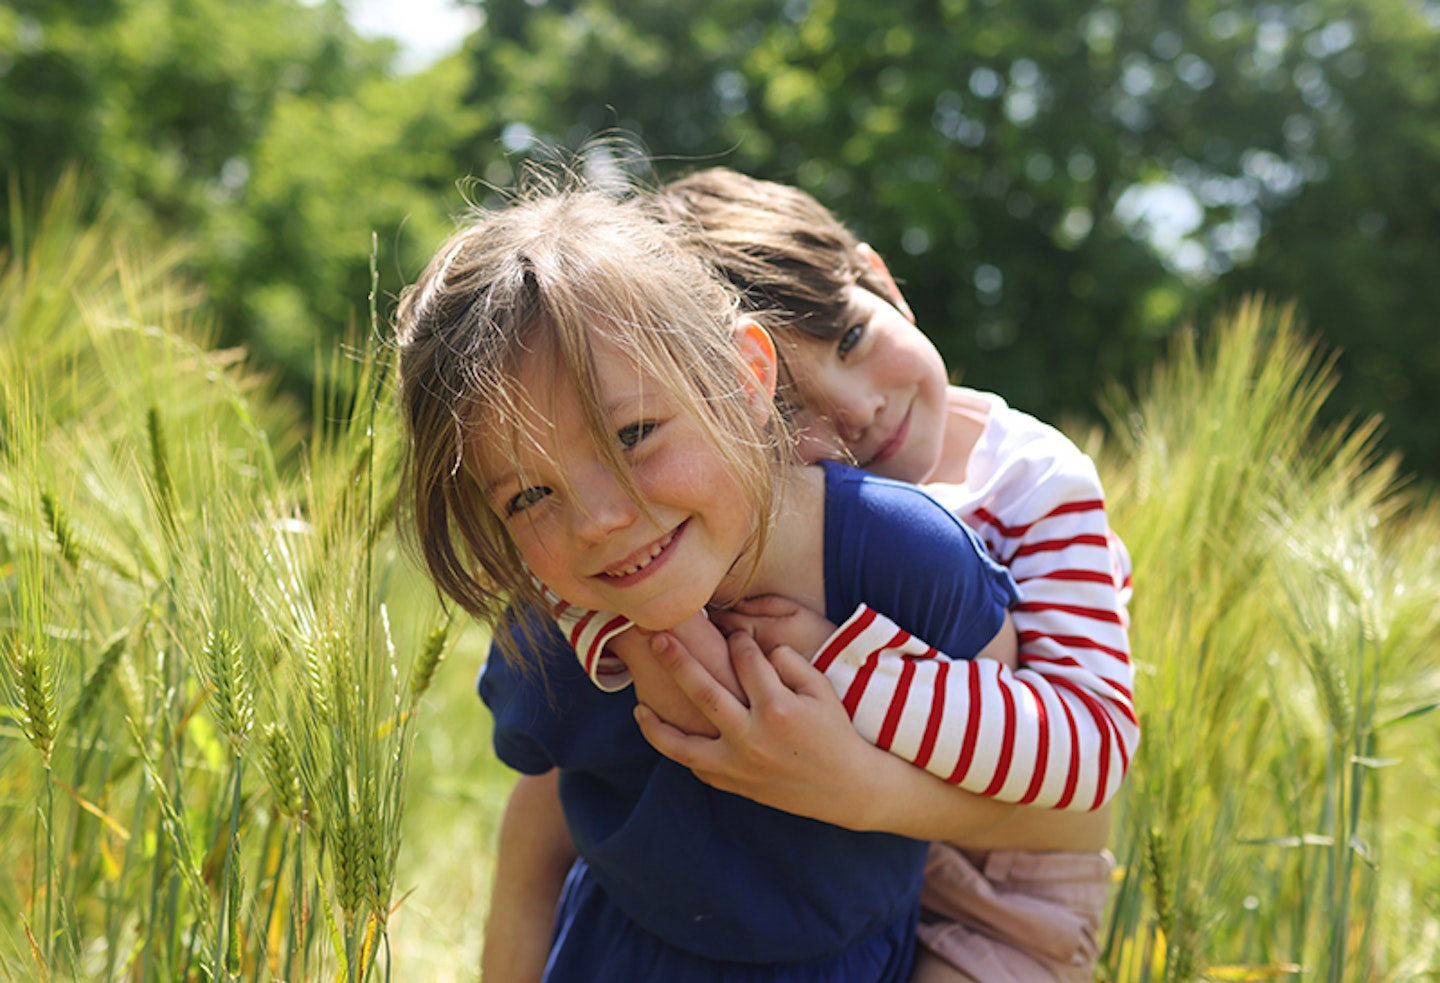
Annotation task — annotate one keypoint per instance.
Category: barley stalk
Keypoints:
(160, 473)
(35, 690)
(341, 685)
(315, 659)
(129, 685)
(178, 832)
(235, 888)
(61, 530)
(422, 672)
(281, 771)
(100, 677)
(348, 866)
(231, 882)
(230, 690)
(377, 844)
(1157, 861)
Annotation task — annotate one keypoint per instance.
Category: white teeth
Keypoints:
(655, 551)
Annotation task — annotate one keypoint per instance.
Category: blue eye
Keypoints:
(525, 499)
(849, 340)
(636, 432)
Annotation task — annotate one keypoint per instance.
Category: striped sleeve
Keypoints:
(938, 713)
(588, 633)
(1059, 731)
(1073, 625)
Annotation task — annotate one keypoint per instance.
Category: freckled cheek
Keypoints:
(540, 547)
(893, 373)
(672, 474)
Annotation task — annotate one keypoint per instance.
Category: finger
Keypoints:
(682, 748)
(730, 622)
(706, 757)
(765, 606)
(754, 670)
(796, 672)
(715, 703)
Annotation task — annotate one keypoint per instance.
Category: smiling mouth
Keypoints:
(888, 449)
(635, 564)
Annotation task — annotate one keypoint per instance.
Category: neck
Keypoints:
(967, 416)
(792, 564)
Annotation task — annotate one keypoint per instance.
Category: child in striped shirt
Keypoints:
(1022, 901)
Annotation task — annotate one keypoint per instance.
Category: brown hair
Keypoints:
(785, 252)
(545, 276)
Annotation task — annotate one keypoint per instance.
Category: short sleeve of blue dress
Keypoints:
(681, 883)
(890, 545)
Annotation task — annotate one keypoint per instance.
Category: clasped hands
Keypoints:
(732, 698)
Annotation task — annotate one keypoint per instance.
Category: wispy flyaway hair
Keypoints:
(559, 267)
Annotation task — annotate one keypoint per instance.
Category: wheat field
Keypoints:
(239, 738)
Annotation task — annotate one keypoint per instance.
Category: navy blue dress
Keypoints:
(681, 883)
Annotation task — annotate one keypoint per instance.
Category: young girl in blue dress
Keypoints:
(588, 414)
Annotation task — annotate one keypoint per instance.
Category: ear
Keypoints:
(868, 253)
(757, 351)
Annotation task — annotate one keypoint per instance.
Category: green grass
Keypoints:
(1285, 630)
(239, 740)
(216, 659)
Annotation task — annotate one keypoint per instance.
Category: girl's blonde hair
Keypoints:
(561, 266)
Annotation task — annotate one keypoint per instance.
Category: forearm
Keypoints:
(1071, 704)
(1055, 734)
(794, 749)
(899, 798)
(533, 855)
(1075, 654)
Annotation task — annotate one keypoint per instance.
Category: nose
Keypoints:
(855, 410)
(601, 506)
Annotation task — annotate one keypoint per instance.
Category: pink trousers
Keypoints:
(1015, 917)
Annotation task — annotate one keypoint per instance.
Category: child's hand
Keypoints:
(656, 688)
(792, 747)
(774, 620)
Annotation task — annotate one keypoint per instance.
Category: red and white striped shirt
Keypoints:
(1059, 731)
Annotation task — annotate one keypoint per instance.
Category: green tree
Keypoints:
(1353, 233)
(1007, 159)
(155, 98)
(329, 182)
(267, 134)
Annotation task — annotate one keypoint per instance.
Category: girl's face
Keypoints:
(593, 545)
(879, 392)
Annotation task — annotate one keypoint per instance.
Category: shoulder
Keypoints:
(879, 524)
(893, 547)
(548, 714)
(852, 495)
(539, 666)
(1022, 460)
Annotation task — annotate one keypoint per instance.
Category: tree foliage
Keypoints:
(267, 134)
(1010, 160)
(1059, 187)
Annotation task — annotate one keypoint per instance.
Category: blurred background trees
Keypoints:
(1059, 187)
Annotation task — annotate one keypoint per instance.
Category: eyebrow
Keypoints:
(487, 488)
(490, 489)
(628, 402)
